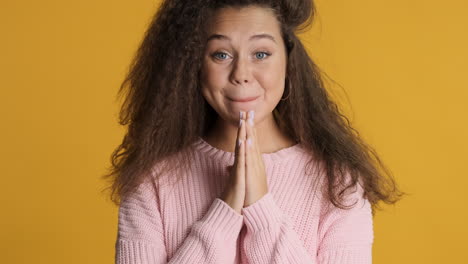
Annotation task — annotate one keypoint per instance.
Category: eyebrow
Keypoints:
(258, 36)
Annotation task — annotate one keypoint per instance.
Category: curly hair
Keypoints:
(166, 112)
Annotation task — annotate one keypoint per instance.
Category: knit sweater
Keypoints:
(187, 222)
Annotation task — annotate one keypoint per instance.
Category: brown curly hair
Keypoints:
(166, 112)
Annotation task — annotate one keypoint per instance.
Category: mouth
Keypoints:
(244, 100)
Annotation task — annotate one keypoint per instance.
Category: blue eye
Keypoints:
(223, 55)
(218, 53)
(262, 52)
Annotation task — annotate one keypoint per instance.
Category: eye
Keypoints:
(222, 57)
(258, 55)
(266, 54)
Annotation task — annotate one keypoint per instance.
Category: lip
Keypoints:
(245, 99)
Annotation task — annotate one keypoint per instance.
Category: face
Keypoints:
(244, 64)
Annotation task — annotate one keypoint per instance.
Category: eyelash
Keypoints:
(264, 52)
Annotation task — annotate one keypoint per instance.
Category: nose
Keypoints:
(240, 72)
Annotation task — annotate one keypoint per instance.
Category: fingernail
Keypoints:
(239, 142)
(249, 141)
(251, 117)
(251, 114)
(240, 122)
(241, 115)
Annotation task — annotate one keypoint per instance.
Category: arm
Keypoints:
(345, 236)
(140, 238)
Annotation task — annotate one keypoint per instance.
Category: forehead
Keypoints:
(243, 20)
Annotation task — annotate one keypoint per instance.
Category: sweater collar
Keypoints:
(268, 158)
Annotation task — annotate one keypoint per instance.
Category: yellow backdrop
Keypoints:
(402, 63)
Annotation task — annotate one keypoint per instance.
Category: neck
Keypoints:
(223, 135)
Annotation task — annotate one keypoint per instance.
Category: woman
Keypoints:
(223, 98)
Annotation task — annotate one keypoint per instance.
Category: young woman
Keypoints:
(235, 152)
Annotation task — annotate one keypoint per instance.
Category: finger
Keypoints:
(252, 115)
(248, 130)
(251, 131)
(239, 136)
(249, 146)
(257, 146)
(240, 158)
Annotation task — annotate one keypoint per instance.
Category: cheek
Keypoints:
(212, 84)
(213, 77)
(272, 80)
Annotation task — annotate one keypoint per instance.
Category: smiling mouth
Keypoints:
(243, 100)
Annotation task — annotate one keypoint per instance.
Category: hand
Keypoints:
(255, 175)
(247, 182)
(234, 192)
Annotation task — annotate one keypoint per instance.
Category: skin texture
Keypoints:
(248, 181)
(240, 67)
(255, 176)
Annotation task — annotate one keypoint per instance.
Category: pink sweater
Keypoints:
(188, 223)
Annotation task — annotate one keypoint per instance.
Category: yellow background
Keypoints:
(403, 65)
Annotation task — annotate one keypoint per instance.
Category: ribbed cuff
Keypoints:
(263, 214)
(136, 251)
(346, 254)
(222, 219)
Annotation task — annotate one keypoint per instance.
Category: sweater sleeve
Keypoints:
(140, 237)
(347, 235)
